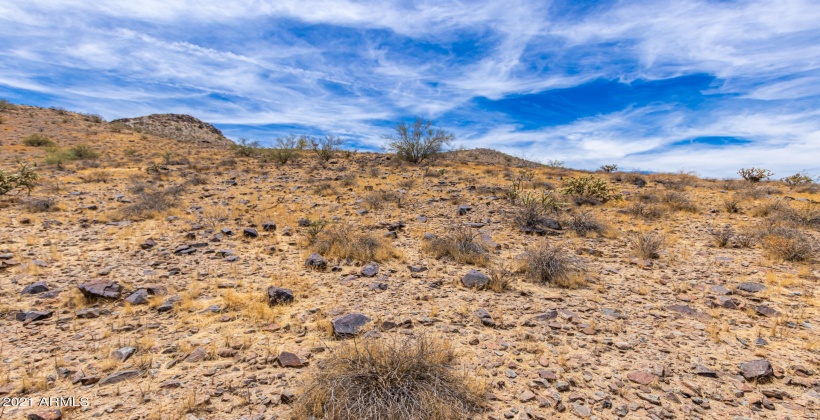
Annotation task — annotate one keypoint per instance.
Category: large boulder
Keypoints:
(756, 370)
(278, 295)
(316, 262)
(475, 279)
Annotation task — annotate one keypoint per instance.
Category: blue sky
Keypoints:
(706, 86)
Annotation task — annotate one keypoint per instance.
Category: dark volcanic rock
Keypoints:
(119, 377)
(29, 316)
(751, 287)
(35, 288)
(316, 262)
(287, 359)
(278, 295)
(756, 369)
(370, 270)
(101, 289)
(250, 233)
(485, 317)
(475, 278)
(348, 325)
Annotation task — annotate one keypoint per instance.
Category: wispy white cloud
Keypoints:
(351, 67)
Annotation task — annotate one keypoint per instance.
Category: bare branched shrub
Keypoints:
(644, 210)
(730, 204)
(679, 201)
(547, 264)
(722, 237)
(418, 141)
(342, 242)
(648, 244)
(151, 203)
(585, 223)
(399, 379)
(40, 205)
(462, 245)
(754, 174)
(501, 277)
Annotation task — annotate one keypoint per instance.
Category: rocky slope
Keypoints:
(139, 283)
(178, 127)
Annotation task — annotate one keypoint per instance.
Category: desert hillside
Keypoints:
(161, 277)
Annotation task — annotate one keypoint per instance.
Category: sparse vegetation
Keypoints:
(418, 141)
(343, 242)
(40, 204)
(787, 244)
(24, 179)
(398, 378)
(589, 189)
(38, 140)
(462, 245)
(797, 180)
(609, 168)
(754, 174)
(325, 147)
(648, 244)
(549, 264)
(585, 223)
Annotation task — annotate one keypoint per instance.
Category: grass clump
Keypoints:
(547, 264)
(40, 205)
(787, 244)
(586, 224)
(151, 203)
(399, 379)
(343, 243)
(589, 189)
(648, 244)
(462, 245)
(38, 140)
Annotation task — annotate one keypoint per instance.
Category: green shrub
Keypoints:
(37, 140)
(589, 189)
(418, 141)
(83, 152)
(754, 174)
(245, 148)
(23, 179)
(324, 147)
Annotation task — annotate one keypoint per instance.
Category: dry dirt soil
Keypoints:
(719, 319)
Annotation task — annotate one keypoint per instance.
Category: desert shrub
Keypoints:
(461, 244)
(555, 163)
(93, 118)
(324, 189)
(37, 140)
(547, 264)
(434, 173)
(770, 207)
(678, 201)
(314, 228)
(609, 168)
(418, 141)
(788, 244)
(746, 238)
(40, 204)
(678, 181)
(730, 204)
(150, 203)
(6, 106)
(585, 223)
(647, 244)
(284, 150)
(376, 200)
(797, 180)
(59, 110)
(589, 189)
(754, 174)
(407, 183)
(97, 176)
(644, 210)
(245, 148)
(722, 237)
(402, 379)
(532, 209)
(343, 243)
(23, 179)
(83, 152)
(325, 147)
(813, 188)
(501, 277)
(348, 181)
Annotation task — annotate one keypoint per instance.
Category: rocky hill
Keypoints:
(178, 127)
(162, 279)
(489, 157)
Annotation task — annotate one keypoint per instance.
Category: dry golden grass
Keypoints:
(461, 245)
(343, 242)
(392, 378)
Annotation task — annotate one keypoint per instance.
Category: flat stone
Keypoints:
(705, 371)
(250, 233)
(123, 354)
(756, 369)
(581, 410)
(101, 289)
(750, 287)
(652, 399)
(526, 396)
(119, 377)
(35, 288)
(349, 325)
(485, 317)
(197, 355)
(719, 290)
(641, 377)
(287, 359)
(31, 316)
(766, 311)
(55, 414)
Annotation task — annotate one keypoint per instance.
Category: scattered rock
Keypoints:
(250, 233)
(316, 262)
(101, 289)
(31, 316)
(485, 317)
(751, 287)
(348, 325)
(197, 355)
(370, 270)
(756, 369)
(55, 414)
(123, 354)
(35, 288)
(290, 360)
(278, 296)
(119, 377)
(641, 377)
(475, 279)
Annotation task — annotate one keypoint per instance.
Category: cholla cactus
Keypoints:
(754, 174)
(589, 188)
(24, 178)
